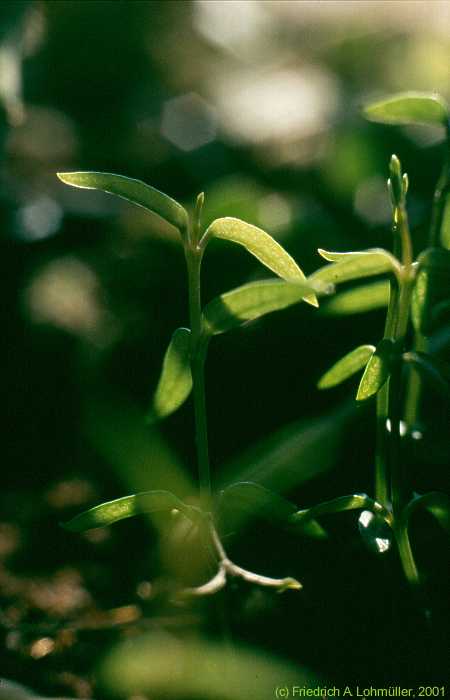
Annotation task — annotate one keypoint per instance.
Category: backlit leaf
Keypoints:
(428, 369)
(340, 504)
(377, 370)
(409, 108)
(359, 300)
(134, 191)
(175, 382)
(121, 508)
(253, 300)
(431, 289)
(265, 248)
(346, 366)
(354, 265)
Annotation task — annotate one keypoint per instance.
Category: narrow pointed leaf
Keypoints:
(431, 289)
(409, 108)
(343, 503)
(377, 370)
(253, 300)
(438, 504)
(350, 266)
(121, 508)
(359, 300)
(428, 369)
(134, 191)
(265, 248)
(245, 500)
(175, 382)
(346, 366)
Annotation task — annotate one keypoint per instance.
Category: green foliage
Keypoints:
(127, 507)
(346, 366)
(134, 191)
(377, 370)
(409, 108)
(253, 300)
(367, 297)
(262, 246)
(431, 289)
(175, 382)
(415, 291)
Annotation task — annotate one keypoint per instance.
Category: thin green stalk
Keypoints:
(198, 355)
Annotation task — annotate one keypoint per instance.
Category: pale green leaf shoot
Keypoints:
(409, 108)
(346, 366)
(260, 244)
(253, 300)
(126, 507)
(134, 191)
(175, 382)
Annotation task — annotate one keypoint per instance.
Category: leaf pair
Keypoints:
(377, 362)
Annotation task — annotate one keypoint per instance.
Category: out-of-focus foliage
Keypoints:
(258, 106)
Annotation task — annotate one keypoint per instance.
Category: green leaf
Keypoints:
(253, 300)
(262, 246)
(377, 370)
(445, 226)
(431, 289)
(350, 266)
(428, 369)
(409, 108)
(134, 191)
(245, 500)
(346, 366)
(121, 508)
(175, 382)
(359, 300)
(340, 504)
(438, 505)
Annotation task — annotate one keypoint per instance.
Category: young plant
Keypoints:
(394, 370)
(184, 363)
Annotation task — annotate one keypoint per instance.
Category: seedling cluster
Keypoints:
(396, 372)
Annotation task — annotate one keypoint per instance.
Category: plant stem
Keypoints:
(198, 355)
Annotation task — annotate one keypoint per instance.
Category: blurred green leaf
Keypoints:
(350, 266)
(121, 508)
(409, 108)
(265, 248)
(432, 288)
(428, 369)
(359, 300)
(340, 504)
(134, 191)
(245, 500)
(346, 366)
(175, 382)
(445, 227)
(377, 370)
(159, 665)
(438, 505)
(253, 300)
(295, 453)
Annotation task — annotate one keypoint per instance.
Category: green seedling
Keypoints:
(184, 361)
(416, 294)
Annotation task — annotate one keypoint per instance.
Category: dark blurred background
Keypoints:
(258, 105)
